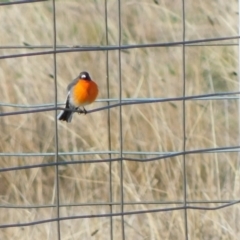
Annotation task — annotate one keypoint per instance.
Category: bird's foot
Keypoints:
(80, 111)
(85, 111)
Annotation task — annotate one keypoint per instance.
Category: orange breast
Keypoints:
(84, 92)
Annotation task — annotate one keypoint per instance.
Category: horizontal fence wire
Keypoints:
(212, 96)
(118, 214)
(228, 202)
(20, 2)
(113, 155)
(122, 47)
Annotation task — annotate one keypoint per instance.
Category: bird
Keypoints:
(81, 92)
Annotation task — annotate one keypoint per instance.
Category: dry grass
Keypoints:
(151, 72)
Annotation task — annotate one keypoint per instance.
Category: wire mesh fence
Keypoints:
(157, 155)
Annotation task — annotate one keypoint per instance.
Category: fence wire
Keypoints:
(112, 155)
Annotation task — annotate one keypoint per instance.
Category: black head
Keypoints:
(85, 76)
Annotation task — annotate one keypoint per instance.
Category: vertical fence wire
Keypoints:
(237, 177)
(120, 119)
(236, 188)
(109, 121)
(184, 120)
(57, 187)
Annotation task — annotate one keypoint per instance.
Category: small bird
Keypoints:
(81, 92)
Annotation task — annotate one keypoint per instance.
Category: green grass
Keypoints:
(146, 73)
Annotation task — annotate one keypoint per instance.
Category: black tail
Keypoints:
(65, 116)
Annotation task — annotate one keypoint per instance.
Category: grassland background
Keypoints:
(149, 72)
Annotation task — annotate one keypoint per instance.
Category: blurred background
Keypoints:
(147, 129)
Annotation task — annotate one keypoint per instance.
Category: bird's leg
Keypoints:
(80, 111)
(85, 111)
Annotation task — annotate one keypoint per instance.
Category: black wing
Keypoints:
(74, 82)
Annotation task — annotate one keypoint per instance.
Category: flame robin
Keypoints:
(81, 91)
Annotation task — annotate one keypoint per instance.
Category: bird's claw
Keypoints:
(80, 111)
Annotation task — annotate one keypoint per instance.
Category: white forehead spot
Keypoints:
(83, 76)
